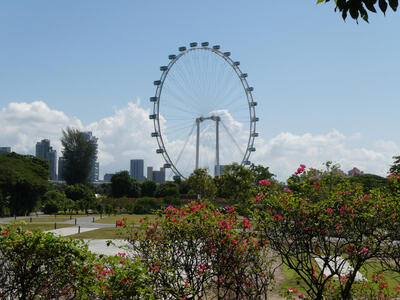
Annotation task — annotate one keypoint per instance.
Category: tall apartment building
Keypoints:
(61, 163)
(156, 176)
(45, 151)
(94, 173)
(5, 150)
(137, 169)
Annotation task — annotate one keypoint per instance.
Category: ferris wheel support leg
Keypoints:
(217, 143)
(197, 142)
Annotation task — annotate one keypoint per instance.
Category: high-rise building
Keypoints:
(137, 169)
(94, 172)
(45, 151)
(156, 176)
(107, 177)
(5, 150)
(61, 163)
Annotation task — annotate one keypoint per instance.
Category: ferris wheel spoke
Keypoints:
(202, 82)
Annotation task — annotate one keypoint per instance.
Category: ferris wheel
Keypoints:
(203, 111)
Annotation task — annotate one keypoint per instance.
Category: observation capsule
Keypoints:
(176, 177)
(153, 99)
(253, 103)
(182, 49)
(216, 47)
(153, 117)
(160, 151)
(252, 149)
(194, 44)
(204, 44)
(167, 166)
(254, 134)
(256, 119)
(236, 63)
(250, 89)
(157, 82)
(163, 68)
(247, 163)
(172, 56)
(155, 134)
(243, 75)
(227, 53)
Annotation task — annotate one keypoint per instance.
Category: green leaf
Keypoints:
(394, 4)
(383, 6)
(370, 5)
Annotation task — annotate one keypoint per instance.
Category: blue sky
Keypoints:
(312, 73)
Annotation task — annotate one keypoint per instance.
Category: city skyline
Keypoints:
(326, 89)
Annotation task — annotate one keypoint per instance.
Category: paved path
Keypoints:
(338, 263)
(70, 230)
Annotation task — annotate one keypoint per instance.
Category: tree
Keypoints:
(201, 183)
(395, 168)
(23, 181)
(237, 183)
(79, 154)
(148, 188)
(260, 172)
(167, 189)
(370, 181)
(53, 201)
(82, 195)
(122, 185)
(360, 8)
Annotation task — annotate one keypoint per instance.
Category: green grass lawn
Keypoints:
(102, 233)
(35, 227)
(130, 218)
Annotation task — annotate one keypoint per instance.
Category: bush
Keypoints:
(198, 250)
(43, 266)
(145, 205)
(50, 208)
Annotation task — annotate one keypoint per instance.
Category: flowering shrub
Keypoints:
(325, 218)
(43, 266)
(198, 251)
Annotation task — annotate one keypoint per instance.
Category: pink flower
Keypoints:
(4, 233)
(265, 182)
(287, 190)
(301, 296)
(186, 283)
(329, 210)
(202, 267)
(366, 196)
(363, 250)
(140, 220)
(278, 217)
(302, 166)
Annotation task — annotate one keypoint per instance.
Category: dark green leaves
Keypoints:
(360, 8)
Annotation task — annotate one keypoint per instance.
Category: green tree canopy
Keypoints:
(395, 168)
(79, 154)
(237, 183)
(23, 181)
(201, 183)
(148, 188)
(122, 185)
(167, 189)
(82, 195)
(260, 172)
(360, 8)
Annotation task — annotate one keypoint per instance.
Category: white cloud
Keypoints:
(125, 135)
(286, 151)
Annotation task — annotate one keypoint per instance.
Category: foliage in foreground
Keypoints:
(326, 219)
(42, 266)
(199, 252)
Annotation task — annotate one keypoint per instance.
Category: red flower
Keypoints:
(287, 190)
(202, 267)
(302, 166)
(265, 182)
(278, 217)
(301, 296)
(4, 233)
(363, 250)
(329, 210)
(366, 196)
